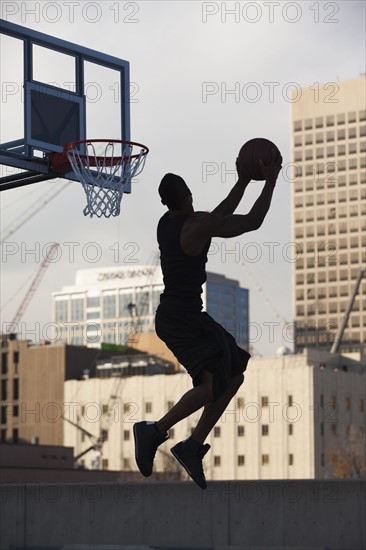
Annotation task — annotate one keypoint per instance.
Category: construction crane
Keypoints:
(338, 339)
(34, 285)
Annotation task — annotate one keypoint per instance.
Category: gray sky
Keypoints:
(185, 58)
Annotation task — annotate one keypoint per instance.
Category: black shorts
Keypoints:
(199, 342)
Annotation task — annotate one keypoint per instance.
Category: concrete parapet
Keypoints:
(255, 515)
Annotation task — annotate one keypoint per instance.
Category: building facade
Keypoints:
(32, 380)
(329, 212)
(116, 304)
(295, 417)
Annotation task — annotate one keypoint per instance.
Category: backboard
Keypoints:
(54, 92)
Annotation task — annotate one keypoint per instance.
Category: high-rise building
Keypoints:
(115, 304)
(329, 212)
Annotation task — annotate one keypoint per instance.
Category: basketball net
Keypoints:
(105, 176)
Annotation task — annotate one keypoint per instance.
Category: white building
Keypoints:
(290, 414)
(111, 304)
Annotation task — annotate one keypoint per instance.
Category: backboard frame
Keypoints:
(19, 153)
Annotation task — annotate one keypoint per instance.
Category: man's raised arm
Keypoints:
(230, 204)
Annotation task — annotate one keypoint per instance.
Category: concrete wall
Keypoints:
(242, 515)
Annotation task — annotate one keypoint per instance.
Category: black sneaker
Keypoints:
(147, 440)
(190, 454)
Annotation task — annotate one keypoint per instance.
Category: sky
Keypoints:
(206, 77)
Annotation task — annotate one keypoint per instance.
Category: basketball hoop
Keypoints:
(104, 168)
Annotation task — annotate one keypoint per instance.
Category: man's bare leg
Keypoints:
(189, 403)
(213, 411)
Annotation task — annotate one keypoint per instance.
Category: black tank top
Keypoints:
(183, 275)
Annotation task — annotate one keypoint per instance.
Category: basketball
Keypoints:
(252, 151)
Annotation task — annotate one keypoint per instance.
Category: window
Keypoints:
(61, 311)
(125, 300)
(319, 137)
(217, 431)
(104, 463)
(330, 136)
(77, 309)
(265, 429)
(330, 120)
(308, 139)
(290, 400)
(93, 301)
(15, 410)
(241, 431)
(322, 459)
(105, 409)
(361, 405)
(4, 363)
(3, 435)
(352, 133)
(297, 125)
(15, 435)
(126, 407)
(109, 306)
(264, 401)
(217, 460)
(148, 407)
(240, 402)
(171, 433)
(3, 414)
(290, 429)
(352, 148)
(126, 465)
(265, 459)
(170, 405)
(15, 389)
(308, 154)
(104, 435)
(319, 122)
(126, 435)
(241, 460)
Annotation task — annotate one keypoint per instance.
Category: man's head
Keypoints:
(173, 191)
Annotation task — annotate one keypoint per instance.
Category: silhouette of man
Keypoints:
(209, 353)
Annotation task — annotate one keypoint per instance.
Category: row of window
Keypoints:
(4, 389)
(330, 120)
(329, 182)
(326, 292)
(127, 464)
(331, 135)
(344, 259)
(322, 308)
(4, 437)
(330, 168)
(112, 306)
(352, 226)
(331, 151)
(331, 213)
(325, 276)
